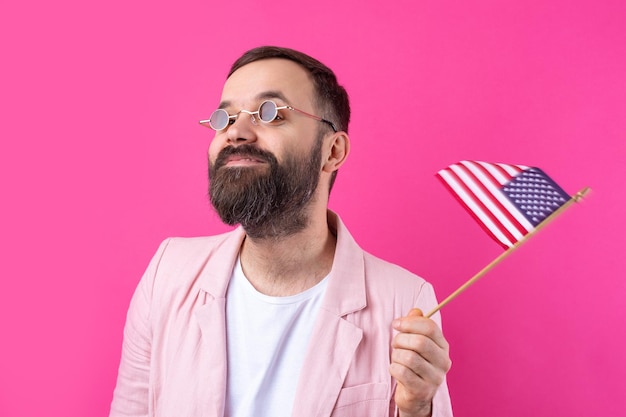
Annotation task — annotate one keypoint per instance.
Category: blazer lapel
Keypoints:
(213, 367)
(211, 318)
(334, 340)
(326, 364)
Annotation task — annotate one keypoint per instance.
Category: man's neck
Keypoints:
(289, 265)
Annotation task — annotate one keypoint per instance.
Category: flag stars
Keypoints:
(535, 194)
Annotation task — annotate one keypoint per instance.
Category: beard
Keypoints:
(269, 201)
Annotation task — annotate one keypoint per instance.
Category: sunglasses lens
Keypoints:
(219, 119)
(267, 111)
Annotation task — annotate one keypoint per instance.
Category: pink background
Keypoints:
(103, 158)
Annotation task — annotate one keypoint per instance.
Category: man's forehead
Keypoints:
(273, 78)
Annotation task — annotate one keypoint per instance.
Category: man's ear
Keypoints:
(338, 149)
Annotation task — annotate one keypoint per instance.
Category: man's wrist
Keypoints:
(426, 410)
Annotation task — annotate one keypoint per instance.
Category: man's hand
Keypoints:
(419, 362)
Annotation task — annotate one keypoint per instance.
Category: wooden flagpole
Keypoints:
(575, 199)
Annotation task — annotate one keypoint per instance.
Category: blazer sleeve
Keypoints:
(442, 406)
(131, 394)
(427, 301)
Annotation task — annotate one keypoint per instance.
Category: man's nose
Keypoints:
(243, 130)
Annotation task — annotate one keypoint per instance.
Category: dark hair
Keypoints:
(332, 99)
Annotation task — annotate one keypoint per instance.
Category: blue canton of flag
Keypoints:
(535, 195)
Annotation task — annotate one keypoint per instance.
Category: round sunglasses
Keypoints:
(267, 113)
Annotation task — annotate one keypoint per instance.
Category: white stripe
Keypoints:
(497, 174)
(484, 198)
(478, 211)
(512, 169)
(495, 191)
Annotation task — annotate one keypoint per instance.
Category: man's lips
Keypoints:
(243, 160)
(243, 156)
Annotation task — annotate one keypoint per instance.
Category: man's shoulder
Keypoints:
(392, 290)
(190, 255)
(183, 263)
(190, 246)
(390, 271)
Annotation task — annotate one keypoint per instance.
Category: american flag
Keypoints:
(508, 201)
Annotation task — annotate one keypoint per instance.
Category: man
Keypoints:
(286, 315)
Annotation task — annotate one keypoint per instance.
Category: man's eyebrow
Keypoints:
(268, 95)
(265, 95)
(223, 104)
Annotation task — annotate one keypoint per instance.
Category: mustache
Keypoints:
(243, 150)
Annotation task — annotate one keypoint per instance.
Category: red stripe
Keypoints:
(504, 172)
(506, 212)
(486, 211)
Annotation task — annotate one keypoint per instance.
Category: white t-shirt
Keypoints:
(267, 338)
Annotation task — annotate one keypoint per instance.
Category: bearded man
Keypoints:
(285, 315)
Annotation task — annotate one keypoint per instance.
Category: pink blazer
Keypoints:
(174, 354)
